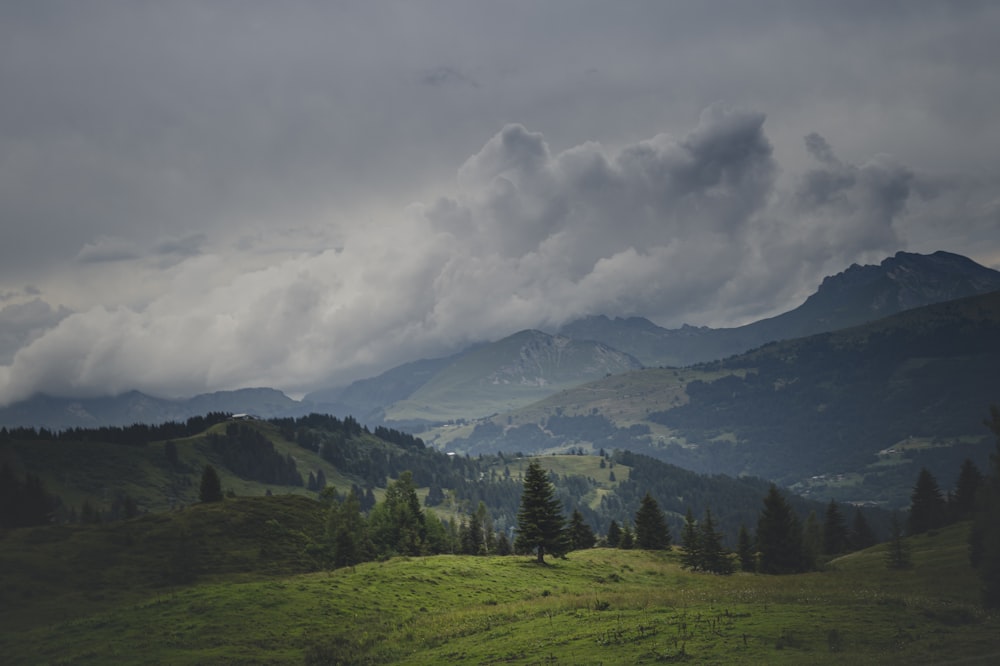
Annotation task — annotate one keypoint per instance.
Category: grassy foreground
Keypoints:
(597, 606)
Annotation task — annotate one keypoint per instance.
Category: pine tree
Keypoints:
(745, 553)
(347, 532)
(581, 536)
(614, 534)
(211, 486)
(627, 541)
(963, 502)
(691, 542)
(539, 519)
(862, 535)
(779, 536)
(834, 530)
(927, 506)
(812, 542)
(714, 557)
(651, 531)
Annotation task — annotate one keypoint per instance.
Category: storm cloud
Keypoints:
(199, 197)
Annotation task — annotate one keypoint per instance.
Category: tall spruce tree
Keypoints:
(779, 536)
(745, 552)
(651, 531)
(715, 558)
(614, 534)
(691, 543)
(581, 536)
(862, 535)
(963, 501)
(927, 506)
(211, 486)
(540, 525)
(834, 530)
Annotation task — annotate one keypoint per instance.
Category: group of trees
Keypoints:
(251, 455)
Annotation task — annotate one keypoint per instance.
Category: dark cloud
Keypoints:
(220, 195)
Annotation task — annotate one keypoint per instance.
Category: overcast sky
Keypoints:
(198, 196)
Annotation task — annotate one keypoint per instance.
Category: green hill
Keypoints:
(852, 414)
(507, 374)
(96, 595)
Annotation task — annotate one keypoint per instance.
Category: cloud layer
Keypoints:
(208, 197)
(692, 226)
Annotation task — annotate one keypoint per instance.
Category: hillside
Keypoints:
(95, 474)
(851, 414)
(855, 296)
(597, 606)
(56, 413)
(507, 374)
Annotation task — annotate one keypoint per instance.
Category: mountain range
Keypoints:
(516, 370)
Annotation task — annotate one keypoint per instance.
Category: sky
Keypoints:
(199, 196)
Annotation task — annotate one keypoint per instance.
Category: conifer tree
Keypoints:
(745, 553)
(627, 542)
(714, 557)
(779, 536)
(651, 531)
(581, 536)
(834, 530)
(539, 519)
(927, 506)
(614, 534)
(211, 486)
(347, 532)
(691, 542)
(862, 535)
(812, 542)
(963, 502)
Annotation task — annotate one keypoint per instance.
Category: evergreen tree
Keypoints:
(651, 531)
(779, 536)
(715, 558)
(614, 535)
(397, 524)
(503, 544)
(580, 534)
(834, 530)
(627, 542)
(486, 525)
(812, 542)
(963, 502)
(211, 485)
(927, 506)
(539, 519)
(745, 553)
(862, 535)
(347, 532)
(898, 554)
(691, 542)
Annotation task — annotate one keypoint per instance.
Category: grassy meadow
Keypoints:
(111, 594)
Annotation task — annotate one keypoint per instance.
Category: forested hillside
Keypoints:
(851, 414)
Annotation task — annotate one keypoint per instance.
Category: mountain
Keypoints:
(366, 399)
(512, 372)
(135, 407)
(854, 413)
(857, 295)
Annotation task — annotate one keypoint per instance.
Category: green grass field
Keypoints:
(106, 594)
